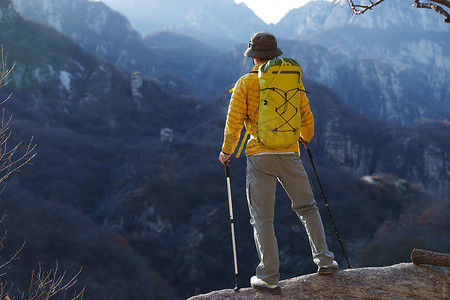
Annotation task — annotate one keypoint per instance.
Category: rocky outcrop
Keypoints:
(7, 12)
(401, 281)
(96, 28)
(367, 146)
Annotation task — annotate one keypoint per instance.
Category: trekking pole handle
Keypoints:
(305, 143)
(227, 168)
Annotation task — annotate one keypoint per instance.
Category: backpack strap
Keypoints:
(242, 144)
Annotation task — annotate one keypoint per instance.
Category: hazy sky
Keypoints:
(271, 11)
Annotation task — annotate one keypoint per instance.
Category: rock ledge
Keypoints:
(401, 281)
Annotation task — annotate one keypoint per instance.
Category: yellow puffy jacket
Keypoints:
(244, 108)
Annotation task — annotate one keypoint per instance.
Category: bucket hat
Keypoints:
(263, 45)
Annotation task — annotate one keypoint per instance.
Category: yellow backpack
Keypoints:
(279, 118)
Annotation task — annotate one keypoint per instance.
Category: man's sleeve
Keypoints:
(237, 112)
(307, 126)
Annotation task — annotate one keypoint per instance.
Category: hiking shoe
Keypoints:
(328, 269)
(264, 286)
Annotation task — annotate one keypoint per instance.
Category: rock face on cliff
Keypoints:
(96, 28)
(401, 281)
(393, 61)
(391, 65)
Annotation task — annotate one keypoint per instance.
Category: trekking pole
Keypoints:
(325, 200)
(233, 239)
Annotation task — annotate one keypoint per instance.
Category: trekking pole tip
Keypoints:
(236, 287)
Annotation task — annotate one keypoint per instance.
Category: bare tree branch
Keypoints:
(5, 71)
(10, 161)
(359, 8)
(43, 285)
(14, 256)
(443, 2)
(436, 8)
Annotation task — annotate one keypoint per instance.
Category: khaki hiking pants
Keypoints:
(263, 171)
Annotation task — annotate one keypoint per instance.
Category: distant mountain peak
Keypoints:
(219, 23)
(317, 16)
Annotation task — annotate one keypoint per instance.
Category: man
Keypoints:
(267, 165)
